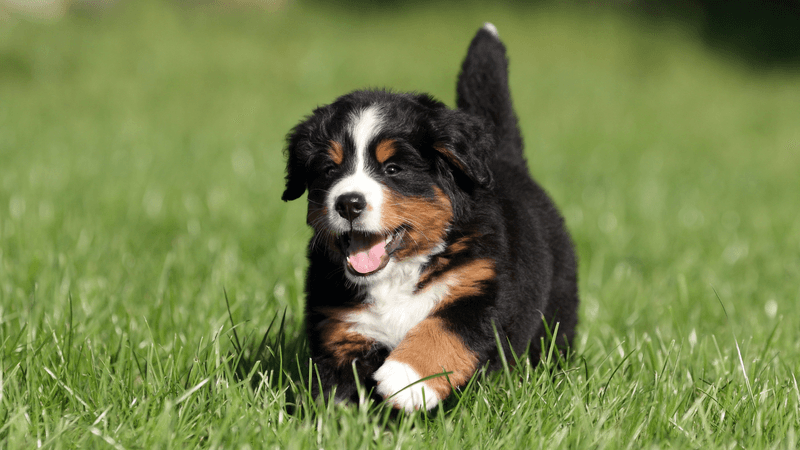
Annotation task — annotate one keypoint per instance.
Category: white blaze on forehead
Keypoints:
(364, 126)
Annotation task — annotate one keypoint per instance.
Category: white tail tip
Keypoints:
(488, 26)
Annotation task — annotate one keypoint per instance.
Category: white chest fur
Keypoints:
(393, 307)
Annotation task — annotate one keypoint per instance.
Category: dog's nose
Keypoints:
(350, 205)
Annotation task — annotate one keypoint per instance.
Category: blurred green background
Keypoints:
(141, 169)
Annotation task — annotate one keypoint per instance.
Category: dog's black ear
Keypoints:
(302, 143)
(466, 143)
(298, 151)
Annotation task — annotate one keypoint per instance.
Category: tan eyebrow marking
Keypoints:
(336, 152)
(385, 150)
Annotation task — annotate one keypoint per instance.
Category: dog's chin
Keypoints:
(366, 255)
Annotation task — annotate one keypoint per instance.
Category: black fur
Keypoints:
(484, 174)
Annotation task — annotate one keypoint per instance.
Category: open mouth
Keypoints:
(368, 253)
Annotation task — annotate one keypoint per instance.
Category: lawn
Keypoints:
(141, 170)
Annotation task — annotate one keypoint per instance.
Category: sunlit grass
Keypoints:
(140, 177)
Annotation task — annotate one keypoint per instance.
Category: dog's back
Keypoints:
(540, 250)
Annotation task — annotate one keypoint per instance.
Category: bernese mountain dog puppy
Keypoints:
(430, 239)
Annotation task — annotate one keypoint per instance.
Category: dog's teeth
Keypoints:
(389, 239)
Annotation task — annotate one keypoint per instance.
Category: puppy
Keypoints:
(430, 238)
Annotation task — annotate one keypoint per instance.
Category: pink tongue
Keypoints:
(369, 261)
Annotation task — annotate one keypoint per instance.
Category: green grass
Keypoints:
(140, 177)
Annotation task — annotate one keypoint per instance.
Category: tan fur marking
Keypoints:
(429, 348)
(438, 263)
(462, 281)
(449, 155)
(385, 150)
(427, 220)
(344, 345)
(459, 245)
(336, 152)
(467, 280)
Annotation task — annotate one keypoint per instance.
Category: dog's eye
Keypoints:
(330, 171)
(392, 169)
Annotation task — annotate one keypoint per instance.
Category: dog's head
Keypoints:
(387, 175)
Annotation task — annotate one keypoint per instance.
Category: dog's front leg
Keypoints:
(430, 348)
(343, 358)
(331, 374)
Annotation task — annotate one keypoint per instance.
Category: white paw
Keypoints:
(393, 377)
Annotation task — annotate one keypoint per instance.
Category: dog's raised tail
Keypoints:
(482, 89)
